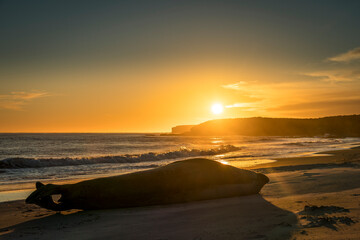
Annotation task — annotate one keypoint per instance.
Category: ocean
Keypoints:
(27, 158)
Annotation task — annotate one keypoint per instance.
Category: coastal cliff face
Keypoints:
(337, 126)
(181, 129)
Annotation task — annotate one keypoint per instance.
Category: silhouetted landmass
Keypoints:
(335, 126)
(181, 129)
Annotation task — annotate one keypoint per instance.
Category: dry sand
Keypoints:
(277, 213)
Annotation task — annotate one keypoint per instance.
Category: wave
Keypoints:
(127, 158)
(245, 156)
(294, 144)
(262, 139)
(305, 143)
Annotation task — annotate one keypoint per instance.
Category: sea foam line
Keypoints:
(127, 158)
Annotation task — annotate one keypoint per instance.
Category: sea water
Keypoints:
(27, 158)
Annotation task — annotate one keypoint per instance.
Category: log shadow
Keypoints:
(248, 217)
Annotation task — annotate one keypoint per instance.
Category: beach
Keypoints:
(284, 209)
(179, 120)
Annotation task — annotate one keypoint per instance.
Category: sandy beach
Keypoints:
(179, 120)
(314, 197)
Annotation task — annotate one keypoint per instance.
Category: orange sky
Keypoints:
(150, 72)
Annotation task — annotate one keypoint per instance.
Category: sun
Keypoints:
(217, 108)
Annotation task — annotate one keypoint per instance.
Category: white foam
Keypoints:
(135, 158)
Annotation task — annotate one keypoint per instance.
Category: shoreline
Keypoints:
(275, 213)
(338, 156)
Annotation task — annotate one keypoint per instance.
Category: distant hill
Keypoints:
(181, 129)
(335, 126)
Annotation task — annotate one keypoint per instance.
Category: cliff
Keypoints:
(336, 126)
(181, 129)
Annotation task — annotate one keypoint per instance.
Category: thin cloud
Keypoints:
(339, 105)
(250, 95)
(255, 96)
(241, 105)
(235, 86)
(351, 55)
(299, 96)
(304, 97)
(337, 75)
(245, 106)
(17, 100)
(340, 72)
(249, 90)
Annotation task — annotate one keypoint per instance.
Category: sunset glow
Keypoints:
(217, 108)
(180, 119)
(110, 66)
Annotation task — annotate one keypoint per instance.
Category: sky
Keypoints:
(146, 66)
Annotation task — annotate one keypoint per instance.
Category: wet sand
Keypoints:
(276, 213)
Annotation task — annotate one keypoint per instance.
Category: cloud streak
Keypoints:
(251, 96)
(306, 96)
(17, 100)
(235, 86)
(245, 106)
(340, 105)
(351, 55)
(340, 72)
(337, 75)
(301, 98)
(242, 105)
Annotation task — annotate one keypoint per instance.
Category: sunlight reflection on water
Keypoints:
(248, 152)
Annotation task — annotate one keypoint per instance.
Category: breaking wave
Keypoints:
(306, 143)
(127, 158)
